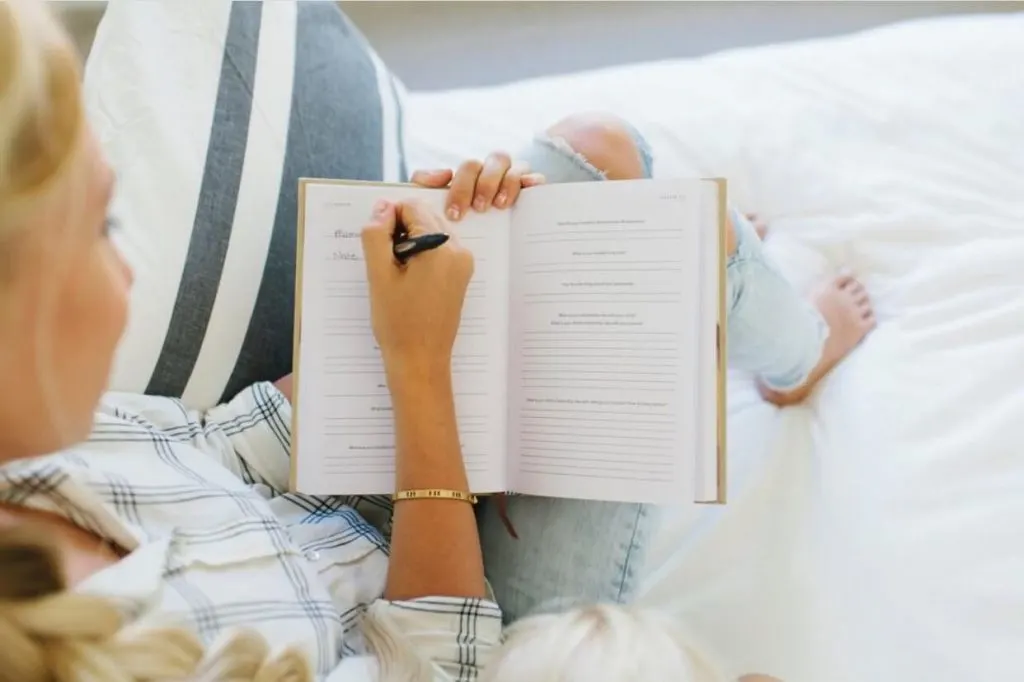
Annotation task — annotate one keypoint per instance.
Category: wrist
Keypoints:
(417, 375)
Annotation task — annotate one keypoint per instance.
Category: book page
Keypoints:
(344, 437)
(603, 357)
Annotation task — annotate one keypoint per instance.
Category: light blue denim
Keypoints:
(580, 551)
(773, 331)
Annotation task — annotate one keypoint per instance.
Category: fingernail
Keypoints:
(380, 207)
(479, 204)
(500, 199)
(454, 213)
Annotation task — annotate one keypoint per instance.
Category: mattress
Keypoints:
(877, 531)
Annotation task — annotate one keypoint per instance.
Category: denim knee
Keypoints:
(556, 159)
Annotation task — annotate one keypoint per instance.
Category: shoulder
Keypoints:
(144, 411)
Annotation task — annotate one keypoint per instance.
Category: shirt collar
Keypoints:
(59, 484)
(134, 581)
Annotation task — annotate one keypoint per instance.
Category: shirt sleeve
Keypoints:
(250, 434)
(256, 428)
(455, 635)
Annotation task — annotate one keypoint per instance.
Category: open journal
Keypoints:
(590, 359)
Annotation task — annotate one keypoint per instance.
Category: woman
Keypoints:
(179, 523)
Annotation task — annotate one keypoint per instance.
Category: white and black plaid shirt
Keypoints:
(200, 502)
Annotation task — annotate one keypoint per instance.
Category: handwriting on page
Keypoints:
(356, 435)
(600, 349)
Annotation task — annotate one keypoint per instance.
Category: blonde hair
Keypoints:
(603, 643)
(41, 111)
(50, 634)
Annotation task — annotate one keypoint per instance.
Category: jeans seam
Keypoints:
(630, 548)
(736, 260)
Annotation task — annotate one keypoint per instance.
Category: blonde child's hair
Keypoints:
(50, 634)
(603, 643)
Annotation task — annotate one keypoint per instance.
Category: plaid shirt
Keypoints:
(200, 502)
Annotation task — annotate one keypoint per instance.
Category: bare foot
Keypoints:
(760, 226)
(844, 304)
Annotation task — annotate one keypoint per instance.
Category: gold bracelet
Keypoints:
(434, 494)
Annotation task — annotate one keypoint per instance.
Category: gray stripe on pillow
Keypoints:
(335, 131)
(211, 230)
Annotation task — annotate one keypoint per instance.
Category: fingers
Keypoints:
(460, 196)
(418, 218)
(510, 187)
(377, 238)
(490, 181)
(533, 179)
(479, 185)
(434, 179)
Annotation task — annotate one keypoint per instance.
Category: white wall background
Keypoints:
(435, 45)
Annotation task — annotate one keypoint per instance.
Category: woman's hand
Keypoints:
(494, 182)
(416, 308)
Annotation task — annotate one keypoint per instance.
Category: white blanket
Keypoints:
(876, 533)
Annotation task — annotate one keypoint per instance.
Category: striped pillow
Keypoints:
(210, 112)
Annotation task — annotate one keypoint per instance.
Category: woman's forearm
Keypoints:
(435, 548)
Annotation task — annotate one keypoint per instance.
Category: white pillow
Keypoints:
(210, 112)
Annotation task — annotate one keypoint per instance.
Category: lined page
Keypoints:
(603, 357)
(345, 436)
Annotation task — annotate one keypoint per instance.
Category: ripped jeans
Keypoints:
(582, 551)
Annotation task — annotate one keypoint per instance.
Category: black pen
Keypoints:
(406, 247)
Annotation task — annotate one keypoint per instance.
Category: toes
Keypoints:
(845, 280)
(760, 226)
(858, 294)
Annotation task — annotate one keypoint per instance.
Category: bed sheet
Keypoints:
(877, 532)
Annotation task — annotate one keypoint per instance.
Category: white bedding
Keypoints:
(877, 533)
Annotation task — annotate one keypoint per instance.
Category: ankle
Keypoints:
(784, 398)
